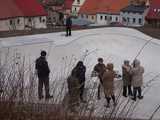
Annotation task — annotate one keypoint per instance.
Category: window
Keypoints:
(43, 20)
(101, 17)
(116, 18)
(105, 17)
(75, 9)
(29, 20)
(40, 19)
(134, 20)
(140, 21)
(128, 19)
(87, 16)
(18, 21)
(10, 22)
(110, 17)
(78, 1)
(92, 17)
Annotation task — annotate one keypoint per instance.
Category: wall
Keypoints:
(106, 19)
(129, 19)
(91, 18)
(21, 23)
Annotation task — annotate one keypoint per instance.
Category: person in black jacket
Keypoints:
(43, 75)
(100, 68)
(80, 70)
(68, 25)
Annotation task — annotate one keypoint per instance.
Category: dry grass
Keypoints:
(18, 95)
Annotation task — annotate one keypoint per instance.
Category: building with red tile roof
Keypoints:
(153, 16)
(102, 11)
(17, 14)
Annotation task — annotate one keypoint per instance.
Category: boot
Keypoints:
(140, 97)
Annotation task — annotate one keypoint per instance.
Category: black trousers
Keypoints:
(135, 90)
(127, 88)
(82, 83)
(68, 31)
(44, 81)
(99, 87)
(113, 98)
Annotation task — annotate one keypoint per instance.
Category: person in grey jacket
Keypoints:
(137, 79)
(126, 77)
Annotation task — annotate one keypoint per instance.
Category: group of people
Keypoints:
(132, 76)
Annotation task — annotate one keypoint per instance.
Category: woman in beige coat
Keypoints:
(108, 84)
(137, 79)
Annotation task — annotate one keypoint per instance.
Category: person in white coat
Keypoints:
(137, 79)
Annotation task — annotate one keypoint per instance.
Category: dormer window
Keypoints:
(78, 1)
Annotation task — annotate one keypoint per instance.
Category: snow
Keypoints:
(113, 44)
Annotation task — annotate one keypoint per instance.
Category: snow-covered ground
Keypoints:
(113, 44)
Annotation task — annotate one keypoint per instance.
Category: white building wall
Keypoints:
(91, 18)
(35, 22)
(132, 19)
(40, 22)
(12, 24)
(4, 25)
(106, 19)
(21, 23)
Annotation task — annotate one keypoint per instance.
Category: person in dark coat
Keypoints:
(126, 77)
(73, 90)
(43, 75)
(68, 25)
(80, 70)
(100, 69)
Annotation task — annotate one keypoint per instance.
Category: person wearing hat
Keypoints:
(99, 68)
(137, 72)
(126, 77)
(108, 84)
(43, 75)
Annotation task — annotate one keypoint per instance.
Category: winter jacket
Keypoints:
(73, 89)
(137, 74)
(108, 82)
(68, 22)
(100, 69)
(42, 67)
(80, 73)
(126, 76)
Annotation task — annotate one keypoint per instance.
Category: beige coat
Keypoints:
(108, 82)
(137, 74)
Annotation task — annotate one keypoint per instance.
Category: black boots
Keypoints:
(135, 90)
(108, 101)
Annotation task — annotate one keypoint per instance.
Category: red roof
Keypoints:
(89, 7)
(20, 8)
(103, 6)
(112, 6)
(154, 10)
(68, 4)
